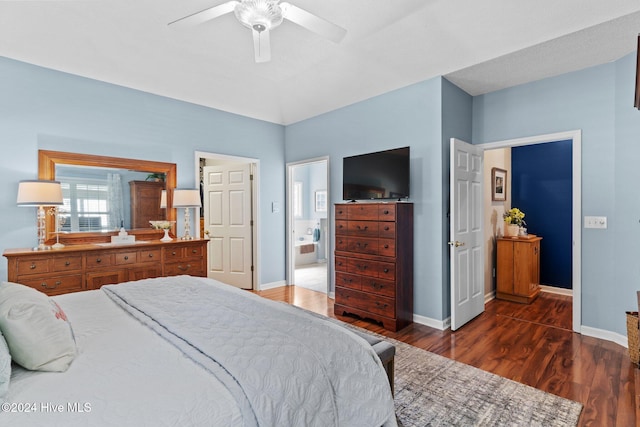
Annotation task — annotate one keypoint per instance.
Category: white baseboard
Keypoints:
(265, 286)
(604, 335)
(555, 290)
(432, 323)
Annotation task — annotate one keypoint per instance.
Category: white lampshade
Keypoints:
(39, 193)
(163, 199)
(186, 198)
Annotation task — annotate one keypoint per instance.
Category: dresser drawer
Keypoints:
(362, 228)
(341, 242)
(152, 255)
(350, 281)
(387, 270)
(387, 212)
(362, 266)
(126, 258)
(56, 285)
(363, 211)
(362, 245)
(377, 286)
(366, 302)
(100, 260)
(33, 266)
(193, 251)
(190, 268)
(341, 212)
(341, 227)
(387, 247)
(70, 263)
(387, 230)
(341, 263)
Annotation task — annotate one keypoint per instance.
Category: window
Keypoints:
(86, 206)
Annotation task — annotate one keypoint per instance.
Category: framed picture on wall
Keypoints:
(498, 184)
(321, 201)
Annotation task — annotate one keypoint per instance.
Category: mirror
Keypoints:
(133, 174)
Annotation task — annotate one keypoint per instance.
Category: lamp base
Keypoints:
(187, 237)
(57, 246)
(42, 247)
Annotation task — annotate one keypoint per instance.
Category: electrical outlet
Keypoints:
(595, 222)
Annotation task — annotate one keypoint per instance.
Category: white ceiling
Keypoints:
(479, 45)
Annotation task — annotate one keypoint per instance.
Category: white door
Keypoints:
(466, 236)
(228, 223)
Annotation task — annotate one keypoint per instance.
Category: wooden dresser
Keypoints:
(374, 262)
(518, 269)
(83, 267)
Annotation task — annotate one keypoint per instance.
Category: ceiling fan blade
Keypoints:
(312, 22)
(262, 45)
(205, 15)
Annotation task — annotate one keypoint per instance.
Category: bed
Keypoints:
(183, 351)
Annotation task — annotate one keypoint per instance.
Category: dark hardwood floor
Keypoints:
(532, 344)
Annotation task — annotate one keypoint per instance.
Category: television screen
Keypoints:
(380, 175)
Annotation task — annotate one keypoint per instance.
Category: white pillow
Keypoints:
(5, 367)
(36, 329)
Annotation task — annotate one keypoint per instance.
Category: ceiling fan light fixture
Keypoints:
(259, 15)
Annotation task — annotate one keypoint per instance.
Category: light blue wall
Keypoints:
(599, 101)
(46, 109)
(412, 117)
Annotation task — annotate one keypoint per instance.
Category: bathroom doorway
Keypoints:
(308, 224)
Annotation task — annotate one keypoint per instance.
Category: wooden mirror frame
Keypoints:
(47, 161)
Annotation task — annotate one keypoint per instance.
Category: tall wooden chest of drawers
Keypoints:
(374, 262)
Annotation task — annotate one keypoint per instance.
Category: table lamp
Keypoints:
(186, 198)
(39, 193)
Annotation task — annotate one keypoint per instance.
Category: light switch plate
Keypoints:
(595, 222)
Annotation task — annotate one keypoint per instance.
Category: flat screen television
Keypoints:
(379, 175)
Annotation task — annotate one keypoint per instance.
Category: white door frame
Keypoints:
(576, 223)
(255, 211)
(291, 265)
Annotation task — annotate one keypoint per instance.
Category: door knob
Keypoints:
(456, 244)
(206, 232)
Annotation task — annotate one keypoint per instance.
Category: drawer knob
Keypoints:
(67, 263)
(126, 257)
(377, 286)
(381, 305)
(386, 246)
(386, 270)
(56, 284)
(184, 268)
(173, 252)
(32, 266)
(193, 251)
(150, 255)
(386, 212)
(386, 228)
(99, 260)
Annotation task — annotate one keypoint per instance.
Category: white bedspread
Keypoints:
(126, 375)
(282, 365)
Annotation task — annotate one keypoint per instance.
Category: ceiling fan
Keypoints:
(261, 16)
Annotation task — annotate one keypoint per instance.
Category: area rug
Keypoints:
(431, 390)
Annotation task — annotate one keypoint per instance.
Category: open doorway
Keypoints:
(308, 224)
(229, 217)
(574, 137)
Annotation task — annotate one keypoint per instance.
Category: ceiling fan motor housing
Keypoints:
(259, 15)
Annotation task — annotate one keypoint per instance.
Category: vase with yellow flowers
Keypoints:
(513, 221)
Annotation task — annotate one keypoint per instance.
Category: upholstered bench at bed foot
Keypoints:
(385, 351)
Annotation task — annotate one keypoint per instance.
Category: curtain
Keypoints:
(115, 202)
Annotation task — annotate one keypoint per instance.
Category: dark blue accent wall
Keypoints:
(541, 188)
